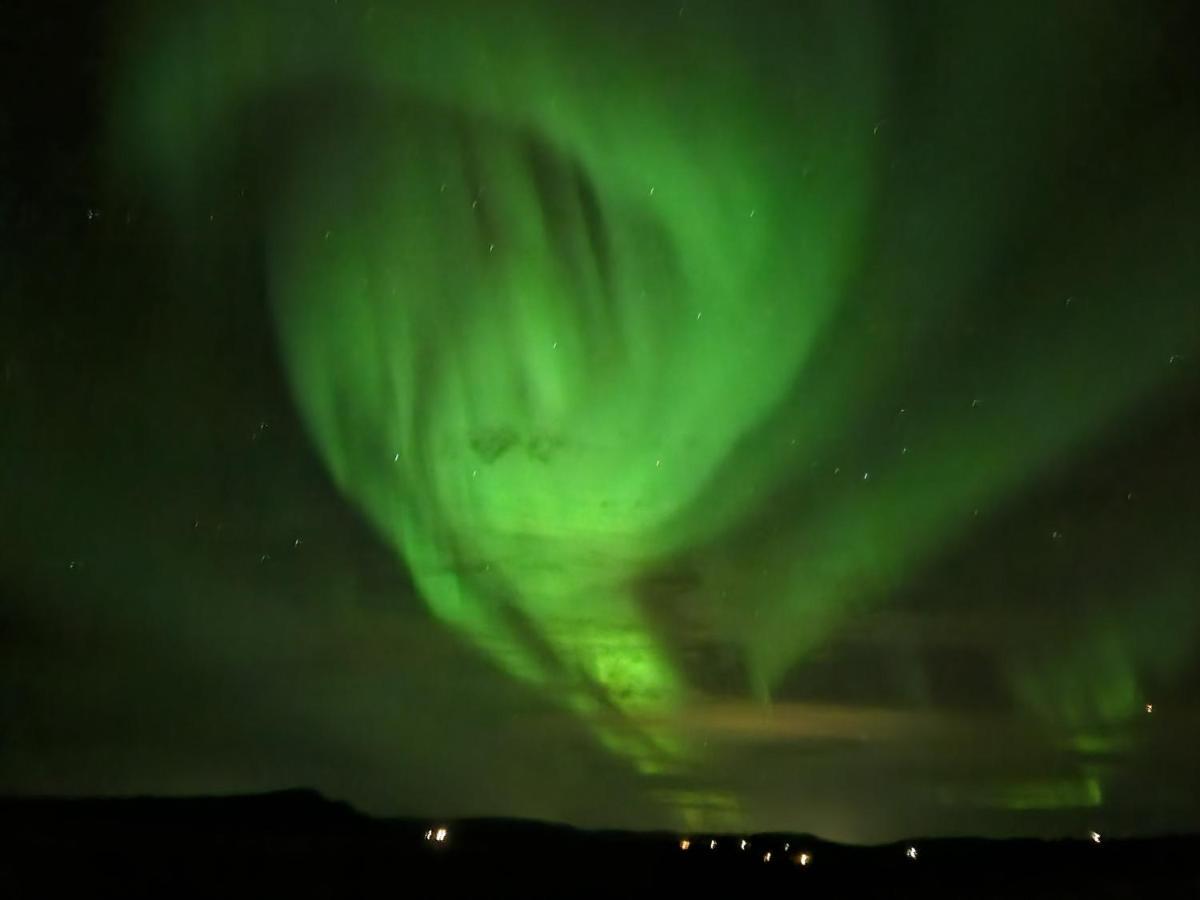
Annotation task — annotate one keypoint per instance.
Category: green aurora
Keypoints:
(570, 302)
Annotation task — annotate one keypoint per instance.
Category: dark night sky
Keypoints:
(686, 414)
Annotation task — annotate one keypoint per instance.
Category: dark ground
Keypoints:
(297, 843)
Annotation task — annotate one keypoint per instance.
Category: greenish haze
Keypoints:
(566, 298)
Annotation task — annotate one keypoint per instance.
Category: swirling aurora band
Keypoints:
(566, 298)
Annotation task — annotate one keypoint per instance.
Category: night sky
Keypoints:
(688, 414)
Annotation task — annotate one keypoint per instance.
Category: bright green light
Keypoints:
(561, 304)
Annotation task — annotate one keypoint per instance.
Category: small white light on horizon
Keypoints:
(767, 856)
(440, 835)
(684, 844)
(712, 845)
(744, 843)
(804, 859)
(911, 852)
(1095, 836)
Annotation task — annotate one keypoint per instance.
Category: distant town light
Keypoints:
(712, 845)
(803, 859)
(745, 843)
(684, 844)
(1095, 836)
(767, 856)
(1149, 707)
(911, 852)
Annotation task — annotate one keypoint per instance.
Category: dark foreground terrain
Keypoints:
(298, 844)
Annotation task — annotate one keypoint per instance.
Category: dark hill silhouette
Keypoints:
(298, 843)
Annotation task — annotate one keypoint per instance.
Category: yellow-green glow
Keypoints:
(562, 304)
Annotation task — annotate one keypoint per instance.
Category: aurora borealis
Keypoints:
(690, 414)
